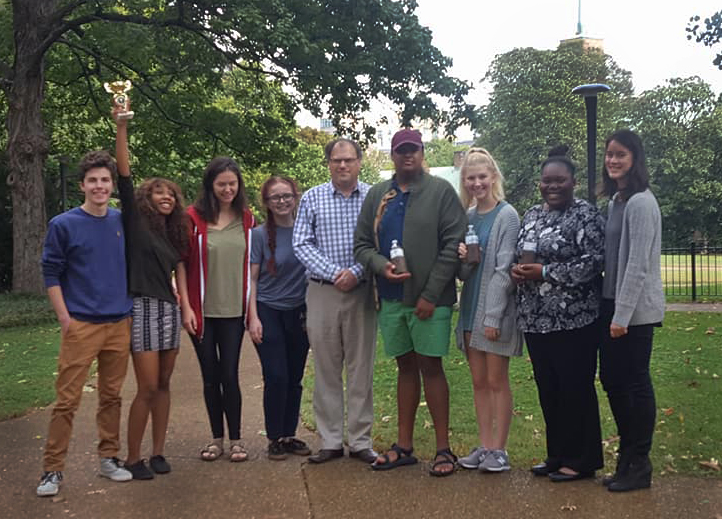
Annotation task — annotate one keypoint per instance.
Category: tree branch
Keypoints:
(201, 32)
(145, 89)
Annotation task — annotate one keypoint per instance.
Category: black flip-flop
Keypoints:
(447, 457)
(403, 457)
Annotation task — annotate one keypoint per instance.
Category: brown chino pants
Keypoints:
(83, 342)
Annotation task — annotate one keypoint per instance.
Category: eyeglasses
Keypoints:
(285, 197)
(338, 162)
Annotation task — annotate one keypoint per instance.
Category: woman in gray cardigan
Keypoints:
(632, 305)
(487, 331)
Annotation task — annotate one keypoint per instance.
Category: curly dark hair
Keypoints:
(270, 221)
(173, 226)
(97, 159)
(207, 203)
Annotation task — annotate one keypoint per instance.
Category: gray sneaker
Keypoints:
(474, 458)
(50, 483)
(495, 461)
(110, 468)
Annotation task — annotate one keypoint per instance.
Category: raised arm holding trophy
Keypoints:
(120, 97)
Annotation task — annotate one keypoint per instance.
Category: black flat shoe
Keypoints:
(325, 455)
(541, 469)
(561, 477)
(159, 465)
(365, 455)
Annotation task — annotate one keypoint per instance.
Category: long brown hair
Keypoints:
(270, 220)
(173, 226)
(207, 204)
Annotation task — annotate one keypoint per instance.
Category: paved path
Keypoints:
(292, 488)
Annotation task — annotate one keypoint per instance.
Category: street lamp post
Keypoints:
(590, 101)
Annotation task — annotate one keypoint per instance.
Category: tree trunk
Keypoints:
(28, 143)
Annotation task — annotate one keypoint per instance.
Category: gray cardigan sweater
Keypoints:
(639, 296)
(497, 305)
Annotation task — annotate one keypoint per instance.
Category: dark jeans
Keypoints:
(565, 364)
(218, 354)
(283, 354)
(624, 372)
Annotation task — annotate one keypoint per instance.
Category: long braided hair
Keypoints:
(270, 220)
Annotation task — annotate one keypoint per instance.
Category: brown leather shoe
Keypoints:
(325, 455)
(365, 455)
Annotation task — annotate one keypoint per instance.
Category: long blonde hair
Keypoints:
(480, 157)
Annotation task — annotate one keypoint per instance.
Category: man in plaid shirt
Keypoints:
(341, 319)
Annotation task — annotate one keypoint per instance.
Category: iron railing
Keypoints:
(693, 272)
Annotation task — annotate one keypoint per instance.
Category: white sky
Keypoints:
(645, 37)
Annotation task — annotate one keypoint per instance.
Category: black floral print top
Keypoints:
(570, 244)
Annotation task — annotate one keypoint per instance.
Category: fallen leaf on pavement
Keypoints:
(569, 508)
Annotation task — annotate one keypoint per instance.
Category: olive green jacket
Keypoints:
(434, 224)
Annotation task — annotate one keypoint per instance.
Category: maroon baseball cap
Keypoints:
(406, 136)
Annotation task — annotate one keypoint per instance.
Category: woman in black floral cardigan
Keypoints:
(561, 256)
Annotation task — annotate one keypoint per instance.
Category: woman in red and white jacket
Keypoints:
(214, 288)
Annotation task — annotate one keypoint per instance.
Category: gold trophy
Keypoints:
(120, 98)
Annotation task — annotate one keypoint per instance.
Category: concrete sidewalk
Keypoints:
(261, 488)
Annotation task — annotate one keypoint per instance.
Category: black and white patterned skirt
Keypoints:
(156, 325)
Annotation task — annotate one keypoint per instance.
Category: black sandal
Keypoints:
(447, 458)
(403, 457)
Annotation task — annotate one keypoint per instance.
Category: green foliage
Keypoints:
(24, 310)
(440, 152)
(681, 126)
(710, 35)
(532, 109)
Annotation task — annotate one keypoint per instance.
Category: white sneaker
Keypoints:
(474, 458)
(50, 483)
(495, 461)
(111, 469)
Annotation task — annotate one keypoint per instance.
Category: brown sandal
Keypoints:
(211, 452)
(238, 452)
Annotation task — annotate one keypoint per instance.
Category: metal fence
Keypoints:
(692, 273)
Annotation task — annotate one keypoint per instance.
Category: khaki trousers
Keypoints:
(341, 327)
(83, 342)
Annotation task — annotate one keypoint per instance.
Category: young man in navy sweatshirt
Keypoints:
(85, 274)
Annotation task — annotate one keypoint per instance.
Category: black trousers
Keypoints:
(218, 355)
(624, 372)
(282, 353)
(565, 364)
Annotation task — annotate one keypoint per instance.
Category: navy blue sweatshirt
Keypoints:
(85, 256)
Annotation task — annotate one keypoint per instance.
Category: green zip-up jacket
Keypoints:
(434, 224)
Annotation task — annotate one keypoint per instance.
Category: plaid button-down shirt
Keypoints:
(324, 228)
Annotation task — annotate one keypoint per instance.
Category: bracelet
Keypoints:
(544, 272)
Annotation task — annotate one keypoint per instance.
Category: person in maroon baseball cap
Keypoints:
(422, 215)
(406, 136)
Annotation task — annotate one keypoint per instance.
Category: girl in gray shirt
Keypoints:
(632, 304)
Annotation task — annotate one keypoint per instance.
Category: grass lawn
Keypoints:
(28, 361)
(686, 366)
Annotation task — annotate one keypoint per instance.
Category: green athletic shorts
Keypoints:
(403, 332)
